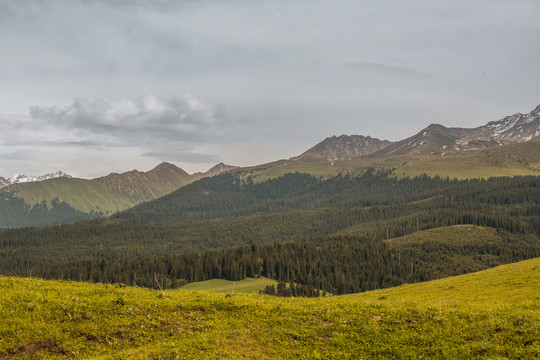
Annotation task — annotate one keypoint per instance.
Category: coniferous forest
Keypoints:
(338, 235)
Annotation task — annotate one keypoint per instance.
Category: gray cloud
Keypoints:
(182, 156)
(370, 67)
(25, 154)
(144, 122)
(180, 128)
(82, 143)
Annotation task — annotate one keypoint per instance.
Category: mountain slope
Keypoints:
(342, 147)
(433, 138)
(506, 147)
(514, 128)
(489, 314)
(65, 199)
(437, 139)
(136, 187)
(215, 170)
(40, 202)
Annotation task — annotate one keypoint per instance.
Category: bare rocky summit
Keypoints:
(342, 147)
(215, 170)
(438, 139)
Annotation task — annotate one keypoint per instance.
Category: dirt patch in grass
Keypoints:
(34, 347)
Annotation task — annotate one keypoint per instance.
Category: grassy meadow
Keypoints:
(247, 286)
(507, 160)
(490, 314)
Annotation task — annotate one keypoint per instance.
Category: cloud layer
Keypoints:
(299, 71)
(178, 128)
(145, 121)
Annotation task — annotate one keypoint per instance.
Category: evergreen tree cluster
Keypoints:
(292, 290)
(335, 264)
(14, 212)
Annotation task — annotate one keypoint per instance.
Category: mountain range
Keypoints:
(433, 140)
(17, 178)
(64, 199)
(437, 139)
(505, 147)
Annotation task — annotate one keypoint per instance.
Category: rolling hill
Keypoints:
(65, 199)
(489, 314)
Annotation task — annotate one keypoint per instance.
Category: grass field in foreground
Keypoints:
(248, 286)
(491, 314)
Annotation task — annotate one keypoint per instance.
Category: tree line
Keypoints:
(336, 264)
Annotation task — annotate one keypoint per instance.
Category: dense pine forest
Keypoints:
(335, 264)
(333, 235)
(14, 212)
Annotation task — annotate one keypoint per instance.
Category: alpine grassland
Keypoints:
(492, 314)
(248, 285)
(518, 159)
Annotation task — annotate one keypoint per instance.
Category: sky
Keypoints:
(94, 86)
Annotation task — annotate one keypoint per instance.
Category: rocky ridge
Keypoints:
(215, 170)
(342, 147)
(437, 139)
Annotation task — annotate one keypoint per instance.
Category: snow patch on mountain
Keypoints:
(515, 128)
(17, 178)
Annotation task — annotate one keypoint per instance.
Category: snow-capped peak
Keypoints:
(17, 178)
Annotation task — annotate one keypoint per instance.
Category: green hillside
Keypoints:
(490, 314)
(505, 160)
(84, 195)
(62, 200)
(249, 285)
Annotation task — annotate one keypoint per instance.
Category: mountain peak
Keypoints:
(536, 111)
(434, 126)
(167, 168)
(342, 147)
(165, 165)
(18, 178)
(215, 170)
(4, 182)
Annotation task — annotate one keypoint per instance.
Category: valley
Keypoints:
(395, 240)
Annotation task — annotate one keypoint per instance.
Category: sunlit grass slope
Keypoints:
(107, 194)
(248, 285)
(506, 160)
(491, 314)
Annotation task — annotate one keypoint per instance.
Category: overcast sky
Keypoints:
(91, 87)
